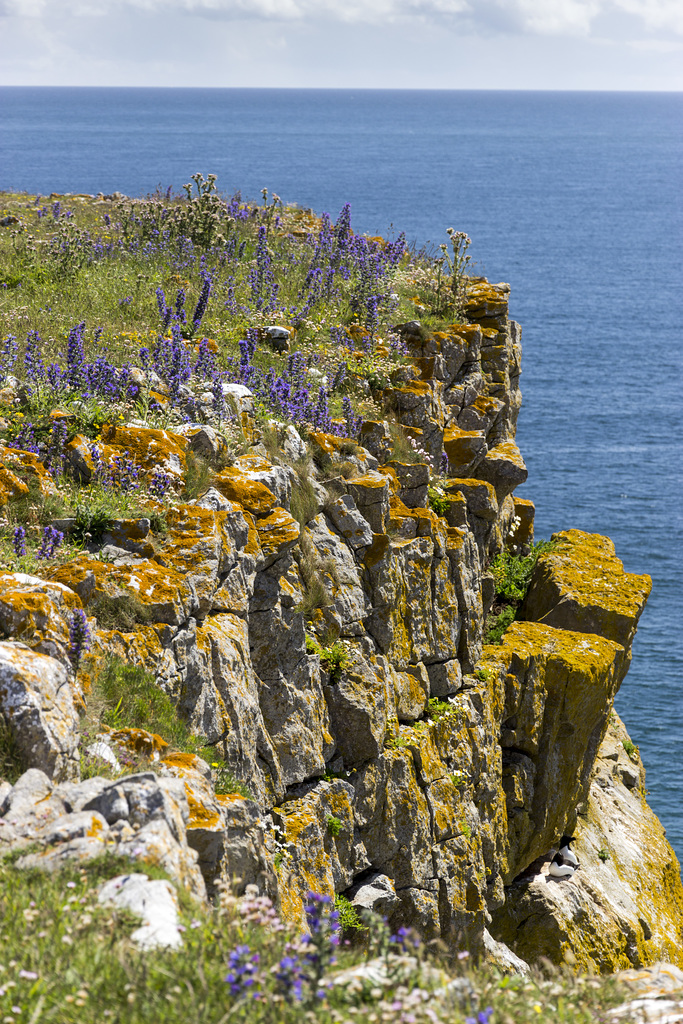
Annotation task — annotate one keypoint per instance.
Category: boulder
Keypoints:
(36, 701)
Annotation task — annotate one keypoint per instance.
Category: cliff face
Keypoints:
(427, 812)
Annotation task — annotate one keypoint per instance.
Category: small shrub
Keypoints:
(437, 708)
(348, 915)
(482, 674)
(334, 659)
(438, 501)
(512, 573)
(124, 612)
(225, 782)
(603, 854)
(334, 825)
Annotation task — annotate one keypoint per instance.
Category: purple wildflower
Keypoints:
(55, 457)
(483, 1017)
(52, 539)
(75, 355)
(202, 303)
(79, 637)
(242, 964)
(290, 978)
(8, 355)
(19, 541)
(33, 362)
(159, 483)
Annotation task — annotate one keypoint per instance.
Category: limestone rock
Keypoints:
(557, 686)
(581, 585)
(353, 527)
(38, 613)
(154, 901)
(36, 701)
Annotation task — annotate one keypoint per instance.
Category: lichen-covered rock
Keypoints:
(322, 848)
(38, 613)
(37, 704)
(398, 577)
(624, 906)
(290, 693)
(163, 593)
(503, 466)
(558, 689)
(359, 710)
(581, 585)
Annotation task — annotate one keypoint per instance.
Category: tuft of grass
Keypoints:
(304, 503)
(199, 476)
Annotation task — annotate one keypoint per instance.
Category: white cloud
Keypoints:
(516, 17)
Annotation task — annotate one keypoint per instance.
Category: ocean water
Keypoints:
(575, 199)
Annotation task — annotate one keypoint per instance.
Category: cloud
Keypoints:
(515, 17)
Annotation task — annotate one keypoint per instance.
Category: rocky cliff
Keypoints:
(319, 622)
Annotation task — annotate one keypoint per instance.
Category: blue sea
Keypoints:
(575, 199)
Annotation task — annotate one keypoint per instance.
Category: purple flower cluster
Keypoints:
(79, 637)
(241, 976)
(121, 474)
(160, 483)
(52, 539)
(55, 455)
(25, 440)
(483, 1017)
(19, 541)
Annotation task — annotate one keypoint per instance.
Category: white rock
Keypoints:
(154, 901)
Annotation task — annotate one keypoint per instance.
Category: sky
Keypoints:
(433, 44)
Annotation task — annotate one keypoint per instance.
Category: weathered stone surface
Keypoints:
(290, 693)
(371, 496)
(479, 495)
(352, 526)
(323, 857)
(624, 906)
(503, 466)
(374, 891)
(413, 480)
(465, 450)
(38, 613)
(392, 818)
(37, 704)
(445, 678)
(558, 686)
(339, 572)
(359, 711)
(154, 901)
(398, 578)
(581, 585)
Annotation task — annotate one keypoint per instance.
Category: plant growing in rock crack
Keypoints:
(334, 825)
(334, 658)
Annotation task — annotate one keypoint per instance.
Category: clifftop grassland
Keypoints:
(293, 709)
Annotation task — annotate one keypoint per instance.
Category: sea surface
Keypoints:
(575, 199)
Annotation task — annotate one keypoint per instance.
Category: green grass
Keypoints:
(67, 960)
(126, 696)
